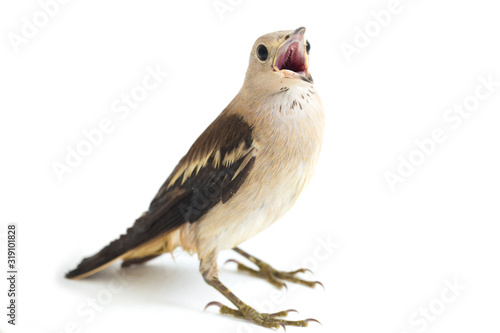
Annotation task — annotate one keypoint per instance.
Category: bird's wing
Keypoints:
(212, 171)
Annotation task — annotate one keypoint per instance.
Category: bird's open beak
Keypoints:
(291, 58)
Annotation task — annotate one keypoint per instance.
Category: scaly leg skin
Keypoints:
(269, 320)
(272, 275)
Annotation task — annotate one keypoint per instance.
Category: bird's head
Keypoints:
(277, 59)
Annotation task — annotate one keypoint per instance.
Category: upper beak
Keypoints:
(291, 57)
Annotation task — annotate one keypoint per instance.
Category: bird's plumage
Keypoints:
(243, 173)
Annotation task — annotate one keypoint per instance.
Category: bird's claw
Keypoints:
(321, 284)
(313, 320)
(220, 305)
(232, 260)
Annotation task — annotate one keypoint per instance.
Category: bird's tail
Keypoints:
(98, 261)
(125, 248)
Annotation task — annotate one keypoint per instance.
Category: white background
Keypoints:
(396, 248)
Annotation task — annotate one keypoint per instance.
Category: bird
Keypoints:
(244, 172)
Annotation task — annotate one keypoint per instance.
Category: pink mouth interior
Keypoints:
(292, 57)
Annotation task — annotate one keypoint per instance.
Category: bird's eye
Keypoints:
(308, 47)
(287, 36)
(262, 52)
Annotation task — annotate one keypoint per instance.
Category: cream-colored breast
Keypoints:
(287, 133)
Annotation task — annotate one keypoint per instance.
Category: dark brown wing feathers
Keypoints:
(222, 156)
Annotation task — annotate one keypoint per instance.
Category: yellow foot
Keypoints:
(269, 320)
(274, 276)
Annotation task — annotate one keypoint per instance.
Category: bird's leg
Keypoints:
(272, 275)
(244, 311)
